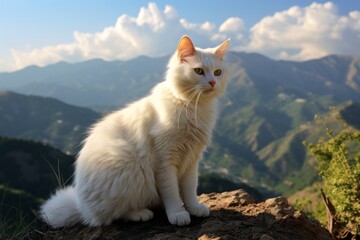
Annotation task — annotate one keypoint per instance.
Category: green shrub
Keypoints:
(338, 159)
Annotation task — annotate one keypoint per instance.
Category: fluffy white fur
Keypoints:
(146, 155)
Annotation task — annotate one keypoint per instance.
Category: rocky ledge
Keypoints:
(234, 215)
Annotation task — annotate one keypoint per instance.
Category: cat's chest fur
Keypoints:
(183, 120)
(194, 124)
(183, 130)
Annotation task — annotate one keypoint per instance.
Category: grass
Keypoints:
(13, 221)
(17, 215)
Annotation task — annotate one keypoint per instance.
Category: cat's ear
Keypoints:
(185, 48)
(221, 50)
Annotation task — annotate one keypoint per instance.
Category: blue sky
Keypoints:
(43, 32)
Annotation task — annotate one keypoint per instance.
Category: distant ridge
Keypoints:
(106, 84)
(44, 119)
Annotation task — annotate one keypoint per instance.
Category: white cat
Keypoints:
(146, 155)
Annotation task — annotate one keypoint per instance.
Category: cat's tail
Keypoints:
(60, 210)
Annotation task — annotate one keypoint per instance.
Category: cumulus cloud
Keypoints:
(298, 33)
(305, 33)
(233, 27)
(153, 32)
(232, 24)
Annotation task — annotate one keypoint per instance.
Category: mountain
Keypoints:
(33, 167)
(267, 101)
(283, 165)
(332, 75)
(44, 119)
(100, 84)
(79, 84)
(260, 129)
(29, 173)
(288, 157)
(16, 206)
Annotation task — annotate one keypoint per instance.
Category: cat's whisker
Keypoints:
(196, 107)
(191, 97)
(179, 115)
(185, 105)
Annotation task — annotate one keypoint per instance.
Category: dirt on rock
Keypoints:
(234, 215)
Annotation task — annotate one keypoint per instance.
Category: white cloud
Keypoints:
(233, 27)
(297, 33)
(152, 32)
(306, 33)
(232, 24)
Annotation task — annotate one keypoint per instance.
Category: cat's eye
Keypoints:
(199, 71)
(217, 72)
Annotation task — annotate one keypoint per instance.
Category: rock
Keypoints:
(266, 237)
(234, 215)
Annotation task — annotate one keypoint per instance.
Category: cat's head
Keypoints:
(196, 73)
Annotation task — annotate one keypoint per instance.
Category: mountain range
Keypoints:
(29, 172)
(44, 119)
(99, 84)
(267, 112)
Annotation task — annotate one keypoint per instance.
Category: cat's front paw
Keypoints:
(142, 215)
(181, 218)
(198, 210)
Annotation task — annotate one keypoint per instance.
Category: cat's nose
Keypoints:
(212, 83)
